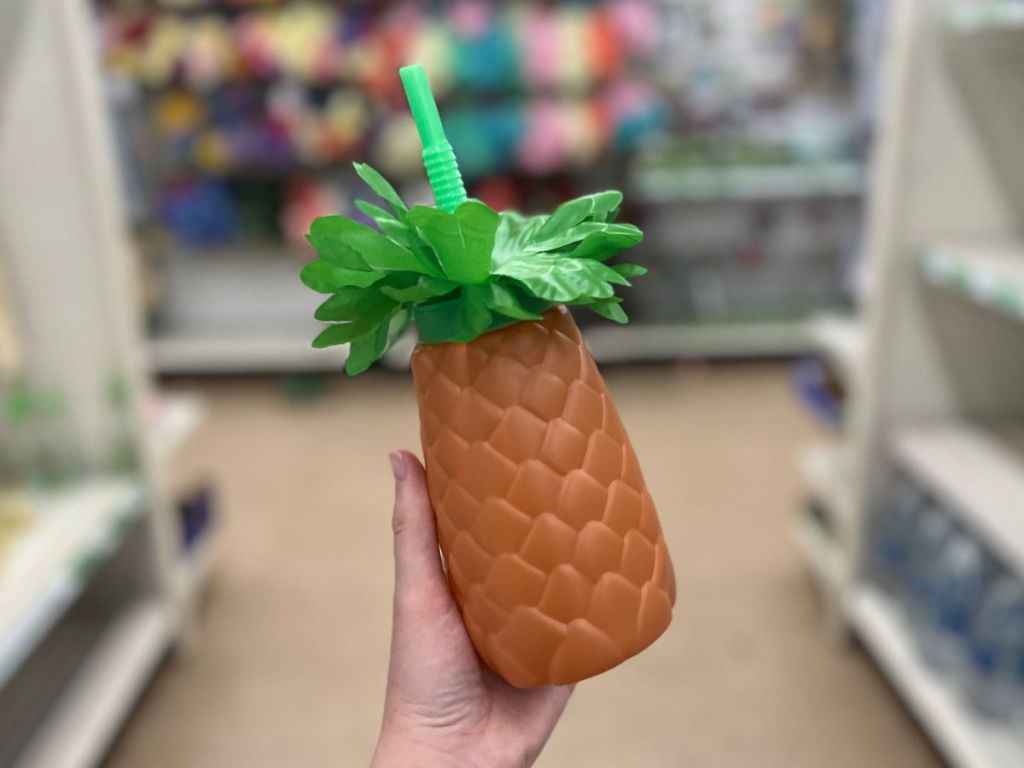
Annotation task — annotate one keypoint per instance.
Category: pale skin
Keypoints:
(443, 706)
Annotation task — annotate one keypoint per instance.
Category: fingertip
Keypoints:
(417, 560)
(399, 467)
(412, 503)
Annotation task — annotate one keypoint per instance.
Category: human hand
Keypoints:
(443, 706)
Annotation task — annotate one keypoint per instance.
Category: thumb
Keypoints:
(418, 571)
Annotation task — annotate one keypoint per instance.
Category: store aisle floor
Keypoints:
(290, 664)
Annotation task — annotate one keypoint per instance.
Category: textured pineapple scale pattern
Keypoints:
(551, 540)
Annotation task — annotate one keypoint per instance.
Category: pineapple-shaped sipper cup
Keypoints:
(551, 541)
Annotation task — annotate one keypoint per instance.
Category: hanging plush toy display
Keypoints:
(551, 541)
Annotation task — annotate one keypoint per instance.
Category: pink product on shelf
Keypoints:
(307, 199)
(209, 54)
(545, 147)
(637, 23)
(540, 47)
(255, 47)
(470, 18)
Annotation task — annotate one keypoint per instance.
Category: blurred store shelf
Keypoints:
(755, 183)
(48, 564)
(990, 274)
(985, 15)
(966, 739)
(825, 522)
(179, 354)
(823, 470)
(641, 341)
(194, 567)
(840, 341)
(821, 551)
(77, 731)
(237, 311)
(976, 473)
(174, 418)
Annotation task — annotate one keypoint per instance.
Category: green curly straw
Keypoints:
(438, 155)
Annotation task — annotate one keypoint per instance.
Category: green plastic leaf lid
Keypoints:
(460, 269)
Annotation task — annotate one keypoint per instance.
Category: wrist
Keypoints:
(396, 750)
(438, 750)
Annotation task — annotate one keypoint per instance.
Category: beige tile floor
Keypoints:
(289, 667)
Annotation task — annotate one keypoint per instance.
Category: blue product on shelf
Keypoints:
(200, 212)
(637, 114)
(996, 684)
(196, 512)
(956, 589)
(484, 52)
(892, 534)
(932, 530)
(818, 390)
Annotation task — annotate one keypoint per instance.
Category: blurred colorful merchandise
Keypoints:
(253, 110)
(469, 44)
(285, 127)
(307, 199)
(204, 212)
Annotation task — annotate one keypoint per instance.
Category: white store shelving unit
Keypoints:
(613, 344)
(937, 391)
(965, 738)
(824, 557)
(840, 341)
(48, 564)
(971, 16)
(823, 467)
(89, 714)
(620, 344)
(238, 312)
(978, 474)
(173, 420)
(751, 183)
(826, 523)
(91, 584)
(990, 274)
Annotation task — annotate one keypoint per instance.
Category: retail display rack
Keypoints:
(95, 583)
(939, 392)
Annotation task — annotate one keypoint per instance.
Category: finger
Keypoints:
(553, 699)
(418, 568)
(546, 708)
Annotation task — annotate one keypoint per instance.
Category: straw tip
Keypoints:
(412, 72)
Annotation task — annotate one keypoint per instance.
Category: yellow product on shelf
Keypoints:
(574, 69)
(212, 152)
(300, 36)
(397, 149)
(15, 513)
(179, 112)
(161, 52)
(346, 116)
(431, 47)
(579, 117)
